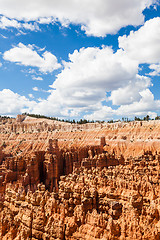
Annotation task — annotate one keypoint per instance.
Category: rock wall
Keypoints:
(127, 139)
(93, 181)
(118, 202)
(48, 165)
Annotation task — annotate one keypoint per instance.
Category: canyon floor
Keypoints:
(79, 181)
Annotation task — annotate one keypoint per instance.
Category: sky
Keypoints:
(92, 59)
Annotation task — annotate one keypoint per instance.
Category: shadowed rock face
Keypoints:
(95, 182)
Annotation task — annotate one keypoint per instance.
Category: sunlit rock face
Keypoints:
(68, 181)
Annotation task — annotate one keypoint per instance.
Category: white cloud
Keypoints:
(30, 95)
(145, 106)
(91, 73)
(94, 68)
(30, 26)
(53, 106)
(131, 92)
(143, 45)
(12, 103)
(0, 64)
(46, 20)
(25, 55)
(103, 113)
(94, 76)
(35, 89)
(37, 78)
(12, 23)
(97, 17)
(156, 70)
(6, 22)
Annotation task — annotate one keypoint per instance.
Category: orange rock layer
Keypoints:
(68, 181)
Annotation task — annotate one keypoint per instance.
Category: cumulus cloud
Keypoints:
(92, 72)
(97, 18)
(12, 103)
(94, 76)
(146, 105)
(12, 23)
(54, 105)
(27, 56)
(88, 76)
(143, 45)
(104, 112)
(131, 92)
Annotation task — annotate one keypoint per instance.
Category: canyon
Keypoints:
(79, 181)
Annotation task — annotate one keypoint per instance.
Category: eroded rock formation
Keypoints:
(61, 182)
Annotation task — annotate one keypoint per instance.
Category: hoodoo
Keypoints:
(68, 181)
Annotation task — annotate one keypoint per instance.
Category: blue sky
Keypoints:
(94, 59)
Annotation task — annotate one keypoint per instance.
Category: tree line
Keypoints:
(84, 121)
(81, 121)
